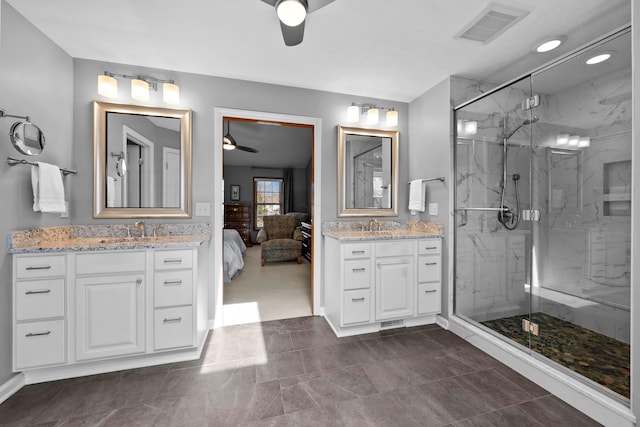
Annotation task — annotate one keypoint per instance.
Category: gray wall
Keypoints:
(430, 130)
(36, 79)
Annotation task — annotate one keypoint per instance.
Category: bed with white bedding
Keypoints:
(233, 252)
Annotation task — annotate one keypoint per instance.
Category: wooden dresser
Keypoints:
(238, 217)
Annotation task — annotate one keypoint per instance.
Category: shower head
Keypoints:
(525, 123)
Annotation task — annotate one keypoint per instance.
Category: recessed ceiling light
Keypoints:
(549, 44)
(599, 57)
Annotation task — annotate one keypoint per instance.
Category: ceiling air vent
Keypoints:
(493, 21)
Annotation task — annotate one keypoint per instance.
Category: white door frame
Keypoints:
(218, 201)
(148, 156)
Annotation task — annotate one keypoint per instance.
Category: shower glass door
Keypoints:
(543, 210)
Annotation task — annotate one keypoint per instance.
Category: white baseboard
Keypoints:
(11, 387)
(598, 406)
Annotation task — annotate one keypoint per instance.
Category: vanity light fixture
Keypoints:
(466, 127)
(354, 111)
(562, 139)
(566, 141)
(291, 12)
(584, 142)
(140, 86)
(573, 140)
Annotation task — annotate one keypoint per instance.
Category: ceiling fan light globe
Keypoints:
(291, 12)
(227, 146)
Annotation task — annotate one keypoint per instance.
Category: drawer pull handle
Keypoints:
(430, 248)
(172, 319)
(355, 270)
(173, 261)
(172, 282)
(357, 252)
(430, 263)
(361, 299)
(44, 291)
(430, 291)
(37, 334)
(39, 267)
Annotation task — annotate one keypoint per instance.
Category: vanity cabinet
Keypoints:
(374, 284)
(75, 308)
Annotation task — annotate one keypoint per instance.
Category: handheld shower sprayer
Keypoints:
(507, 216)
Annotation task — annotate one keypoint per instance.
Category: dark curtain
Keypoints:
(287, 178)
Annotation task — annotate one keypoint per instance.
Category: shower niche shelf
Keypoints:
(616, 197)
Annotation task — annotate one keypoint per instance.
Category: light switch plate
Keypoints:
(433, 209)
(203, 209)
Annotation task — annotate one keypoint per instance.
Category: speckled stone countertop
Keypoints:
(71, 238)
(383, 230)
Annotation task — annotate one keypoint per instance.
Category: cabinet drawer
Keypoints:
(39, 344)
(357, 274)
(385, 249)
(173, 327)
(429, 268)
(168, 260)
(356, 307)
(39, 299)
(110, 262)
(357, 250)
(173, 288)
(429, 246)
(428, 298)
(40, 266)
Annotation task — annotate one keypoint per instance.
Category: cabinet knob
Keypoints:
(138, 281)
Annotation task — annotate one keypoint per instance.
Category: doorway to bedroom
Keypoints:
(267, 260)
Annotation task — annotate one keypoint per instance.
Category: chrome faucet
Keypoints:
(139, 225)
(373, 221)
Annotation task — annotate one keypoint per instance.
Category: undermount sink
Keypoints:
(126, 239)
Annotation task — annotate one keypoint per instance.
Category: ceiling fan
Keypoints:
(292, 15)
(229, 143)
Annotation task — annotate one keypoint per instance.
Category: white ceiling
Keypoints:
(389, 49)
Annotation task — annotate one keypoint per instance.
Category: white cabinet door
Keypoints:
(109, 316)
(394, 287)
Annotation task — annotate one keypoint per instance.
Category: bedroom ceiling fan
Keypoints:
(292, 15)
(229, 143)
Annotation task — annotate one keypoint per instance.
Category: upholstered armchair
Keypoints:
(280, 239)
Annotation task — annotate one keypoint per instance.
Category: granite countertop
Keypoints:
(386, 230)
(105, 237)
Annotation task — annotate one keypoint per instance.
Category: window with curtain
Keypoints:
(268, 195)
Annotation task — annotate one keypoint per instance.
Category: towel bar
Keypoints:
(12, 162)
(440, 178)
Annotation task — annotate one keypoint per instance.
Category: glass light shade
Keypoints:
(107, 86)
(459, 127)
(139, 90)
(353, 113)
(562, 139)
(573, 140)
(373, 116)
(470, 127)
(291, 12)
(584, 142)
(171, 93)
(227, 144)
(392, 118)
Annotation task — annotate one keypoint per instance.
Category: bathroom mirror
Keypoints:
(142, 161)
(367, 172)
(27, 138)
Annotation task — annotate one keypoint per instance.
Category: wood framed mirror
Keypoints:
(142, 161)
(367, 172)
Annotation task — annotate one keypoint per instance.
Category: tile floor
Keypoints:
(295, 372)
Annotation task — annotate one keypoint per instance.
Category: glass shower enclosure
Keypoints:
(543, 210)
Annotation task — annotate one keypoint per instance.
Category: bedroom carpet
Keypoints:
(279, 290)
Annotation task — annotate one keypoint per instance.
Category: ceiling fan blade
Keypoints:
(315, 4)
(292, 35)
(271, 2)
(247, 149)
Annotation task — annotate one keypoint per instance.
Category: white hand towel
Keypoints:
(417, 196)
(111, 192)
(48, 190)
